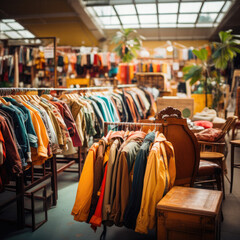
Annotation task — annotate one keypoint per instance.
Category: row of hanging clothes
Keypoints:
(124, 176)
(72, 61)
(118, 105)
(34, 128)
(38, 127)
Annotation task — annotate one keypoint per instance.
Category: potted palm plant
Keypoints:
(208, 71)
(128, 42)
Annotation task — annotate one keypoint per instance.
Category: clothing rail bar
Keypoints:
(106, 124)
(67, 89)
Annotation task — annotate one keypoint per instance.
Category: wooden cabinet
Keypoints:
(189, 213)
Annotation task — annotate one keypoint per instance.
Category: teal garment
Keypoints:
(105, 99)
(20, 131)
(32, 136)
(103, 108)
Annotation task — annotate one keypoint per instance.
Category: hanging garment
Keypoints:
(82, 203)
(134, 203)
(158, 179)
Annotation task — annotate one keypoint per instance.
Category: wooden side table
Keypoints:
(234, 143)
(189, 213)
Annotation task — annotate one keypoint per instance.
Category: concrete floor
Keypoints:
(61, 225)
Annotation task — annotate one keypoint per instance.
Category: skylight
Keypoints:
(12, 29)
(125, 9)
(104, 11)
(129, 19)
(168, 7)
(190, 7)
(160, 13)
(148, 19)
(168, 18)
(187, 18)
(146, 8)
(212, 6)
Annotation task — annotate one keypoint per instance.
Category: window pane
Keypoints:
(227, 6)
(220, 17)
(3, 36)
(180, 25)
(109, 20)
(168, 18)
(8, 20)
(167, 25)
(149, 25)
(207, 17)
(13, 34)
(148, 19)
(15, 26)
(26, 34)
(187, 18)
(112, 26)
(146, 8)
(131, 26)
(212, 6)
(125, 9)
(190, 7)
(104, 11)
(167, 7)
(129, 19)
(204, 25)
(4, 27)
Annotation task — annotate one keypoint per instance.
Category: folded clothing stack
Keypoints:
(208, 115)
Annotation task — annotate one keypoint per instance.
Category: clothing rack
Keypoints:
(37, 177)
(24, 42)
(124, 126)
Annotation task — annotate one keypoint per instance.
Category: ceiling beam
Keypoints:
(45, 15)
(83, 14)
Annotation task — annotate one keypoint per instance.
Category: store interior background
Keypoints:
(68, 21)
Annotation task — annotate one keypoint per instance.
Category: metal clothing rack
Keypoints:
(129, 125)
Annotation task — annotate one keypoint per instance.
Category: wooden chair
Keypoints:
(186, 147)
(216, 152)
(236, 126)
(187, 153)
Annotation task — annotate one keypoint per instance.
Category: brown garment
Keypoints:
(131, 106)
(12, 164)
(132, 136)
